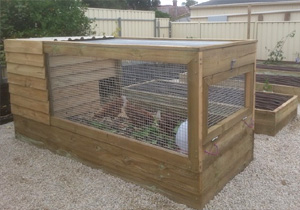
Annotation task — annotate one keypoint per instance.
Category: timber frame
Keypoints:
(192, 179)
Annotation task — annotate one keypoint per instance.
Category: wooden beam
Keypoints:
(26, 70)
(39, 106)
(31, 93)
(26, 81)
(249, 22)
(23, 46)
(183, 56)
(25, 59)
(30, 114)
(195, 111)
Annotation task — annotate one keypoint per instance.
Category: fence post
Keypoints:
(120, 26)
(154, 27)
(170, 29)
(249, 22)
(158, 26)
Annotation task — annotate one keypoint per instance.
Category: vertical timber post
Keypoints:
(120, 26)
(195, 112)
(249, 22)
(158, 28)
(154, 27)
(170, 29)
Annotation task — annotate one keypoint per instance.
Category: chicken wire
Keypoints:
(141, 100)
(225, 98)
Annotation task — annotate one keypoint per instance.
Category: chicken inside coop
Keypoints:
(124, 117)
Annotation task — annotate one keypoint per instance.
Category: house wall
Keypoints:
(201, 13)
(267, 34)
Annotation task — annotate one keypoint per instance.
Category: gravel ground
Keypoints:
(33, 178)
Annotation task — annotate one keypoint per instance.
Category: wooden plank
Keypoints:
(25, 59)
(64, 81)
(220, 60)
(227, 162)
(27, 81)
(278, 72)
(143, 53)
(30, 114)
(264, 122)
(71, 102)
(80, 68)
(289, 90)
(73, 90)
(31, 93)
(225, 142)
(39, 106)
(151, 151)
(219, 77)
(65, 60)
(26, 70)
(77, 110)
(23, 46)
(240, 166)
(195, 110)
(226, 124)
(158, 172)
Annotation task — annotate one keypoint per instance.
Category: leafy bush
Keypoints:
(28, 18)
(159, 14)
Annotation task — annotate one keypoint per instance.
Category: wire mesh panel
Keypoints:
(225, 98)
(141, 100)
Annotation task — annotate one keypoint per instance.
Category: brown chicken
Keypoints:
(138, 116)
(120, 107)
(168, 122)
(111, 109)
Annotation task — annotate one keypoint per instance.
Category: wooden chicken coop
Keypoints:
(171, 115)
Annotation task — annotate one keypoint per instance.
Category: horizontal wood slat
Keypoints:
(27, 81)
(23, 46)
(26, 70)
(31, 93)
(30, 114)
(25, 59)
(38, 106)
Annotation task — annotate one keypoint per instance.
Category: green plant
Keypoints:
(276, 54)
(160, 14)
(267, 86)
(115, 33)
(26, 18)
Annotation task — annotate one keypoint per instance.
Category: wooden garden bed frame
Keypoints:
(191, 179)
(271, 122)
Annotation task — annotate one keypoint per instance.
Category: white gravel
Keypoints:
(33, 178)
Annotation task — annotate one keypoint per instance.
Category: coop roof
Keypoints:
(149, 42)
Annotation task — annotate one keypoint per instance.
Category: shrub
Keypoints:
(28, 18)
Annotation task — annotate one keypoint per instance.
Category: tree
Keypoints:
(34, 18)
(110, 4)
(143, 4)
(124, 4)
(189, 3)
(159, 14)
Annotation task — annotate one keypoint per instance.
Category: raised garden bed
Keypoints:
(273, 112)
(289, 85)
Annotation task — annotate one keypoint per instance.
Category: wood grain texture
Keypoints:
(31, 93)
(30, 114)
(23, 46)
(271, 122)
(26, 70)
(25, 59)
(195, 106)
(165, 54)
(39, 106)
(148, 150)
(27, 81)
(284, 89)
(219, 60)
(133, 165)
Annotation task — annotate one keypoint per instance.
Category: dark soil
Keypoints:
(279, 80)
(269, 101)
(283, 67)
